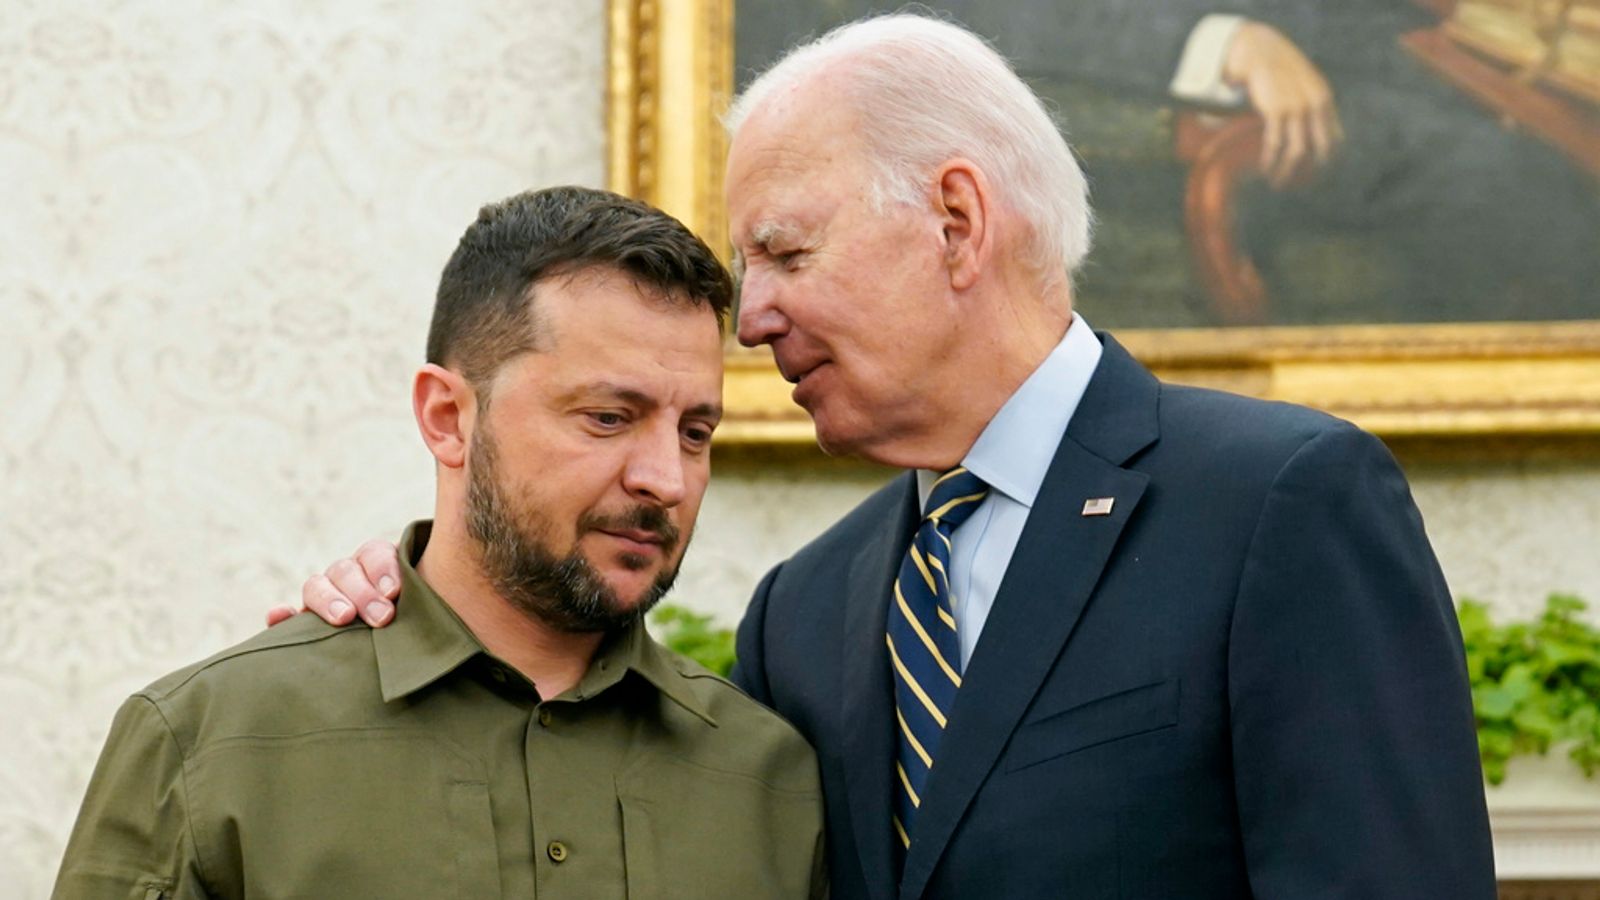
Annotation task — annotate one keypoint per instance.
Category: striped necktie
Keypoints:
(923, 649)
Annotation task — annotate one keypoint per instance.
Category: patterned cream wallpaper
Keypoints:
(1510, 534)
(220, 228)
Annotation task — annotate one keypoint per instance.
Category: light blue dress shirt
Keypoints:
(1012, 455)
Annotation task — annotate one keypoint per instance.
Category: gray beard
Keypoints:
(564, 592)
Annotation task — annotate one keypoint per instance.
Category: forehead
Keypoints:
(601, 326)
(790, 148)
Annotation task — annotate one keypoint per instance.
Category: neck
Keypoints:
(554, 660)
(985, 367)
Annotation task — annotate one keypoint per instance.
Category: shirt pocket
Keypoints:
(691, 832)
(1112, 717)
(473, 841)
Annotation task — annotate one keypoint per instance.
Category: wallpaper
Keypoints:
(220, 232)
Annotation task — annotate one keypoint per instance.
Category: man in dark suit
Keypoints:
(1113, 638)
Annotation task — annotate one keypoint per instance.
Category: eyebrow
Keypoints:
(761, 234)
(640, 399)
(712, 411)
(766, 231)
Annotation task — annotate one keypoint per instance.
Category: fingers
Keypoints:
(1323, 131)
(364, 585)
(1300, 124)
(1298, 136)
(1271, 142)
(1321, 127)
(379, 561)
(279, 614)
(1294, 152)
(320, 596)
(349, 580)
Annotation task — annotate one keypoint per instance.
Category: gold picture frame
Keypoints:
(670, 76)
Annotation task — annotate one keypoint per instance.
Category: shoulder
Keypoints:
(1221, 431)
(267, 653)
(1247, 420)
(737, 735)
(295, 671)
(1170, 431)
(1263, 457)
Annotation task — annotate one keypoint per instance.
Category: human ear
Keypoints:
(963, 203)
(444, 405)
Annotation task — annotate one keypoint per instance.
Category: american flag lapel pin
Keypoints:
(1098, 506)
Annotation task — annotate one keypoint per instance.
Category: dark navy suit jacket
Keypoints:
(1247, 681)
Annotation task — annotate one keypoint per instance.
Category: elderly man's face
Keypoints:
(588, 465)
(855, 303)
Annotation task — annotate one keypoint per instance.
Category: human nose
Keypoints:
(760, 320)
(655, 470)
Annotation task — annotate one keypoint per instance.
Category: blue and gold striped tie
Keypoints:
(923, 649)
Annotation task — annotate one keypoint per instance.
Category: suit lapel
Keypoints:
(868, 701)
(1052, 573)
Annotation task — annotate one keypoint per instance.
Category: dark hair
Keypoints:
(484, 312)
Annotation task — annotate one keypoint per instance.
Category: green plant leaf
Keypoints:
(696, 636)
(1534, 683)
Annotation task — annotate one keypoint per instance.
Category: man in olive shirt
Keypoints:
(516, 731)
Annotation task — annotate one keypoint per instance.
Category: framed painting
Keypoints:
(1432, 273)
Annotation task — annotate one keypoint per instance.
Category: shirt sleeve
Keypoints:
(133, 838)
(1199, 75)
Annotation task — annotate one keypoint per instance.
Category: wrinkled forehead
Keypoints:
(795, 128)
(772, 171)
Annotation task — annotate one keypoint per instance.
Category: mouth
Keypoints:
(636, 540)
(797, 376)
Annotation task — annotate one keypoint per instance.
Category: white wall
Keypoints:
(220, 230)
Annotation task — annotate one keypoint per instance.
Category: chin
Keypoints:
(631, 586)
(837, 438)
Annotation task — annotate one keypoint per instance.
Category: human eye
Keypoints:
(606, 420)
(697, 435)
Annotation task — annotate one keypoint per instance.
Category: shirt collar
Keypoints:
(1013, 453)
(427, 641)
(634, 650)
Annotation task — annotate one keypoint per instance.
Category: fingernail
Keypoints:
(386, 584)
(377, 612)
(338, 608)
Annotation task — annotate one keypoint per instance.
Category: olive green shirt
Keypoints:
(313, 761)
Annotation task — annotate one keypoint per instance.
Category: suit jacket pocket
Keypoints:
(1118, 715)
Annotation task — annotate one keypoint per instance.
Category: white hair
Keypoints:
(927, 91)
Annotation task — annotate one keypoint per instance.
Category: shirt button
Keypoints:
(498, 674)
(544, 720)
(557, 851)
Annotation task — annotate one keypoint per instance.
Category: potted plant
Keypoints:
(1536, 696)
